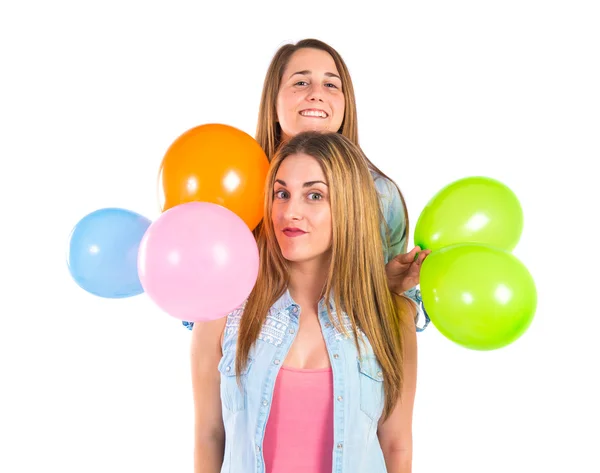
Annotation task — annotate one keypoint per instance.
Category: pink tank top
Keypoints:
(299, 432)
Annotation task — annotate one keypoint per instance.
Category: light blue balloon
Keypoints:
(103, 252)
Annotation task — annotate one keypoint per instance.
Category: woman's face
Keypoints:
(301, 210)
(310, 94)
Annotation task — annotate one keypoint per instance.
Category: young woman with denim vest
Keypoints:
(316, 371)
(308, 87)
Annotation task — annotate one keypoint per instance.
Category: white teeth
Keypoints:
(313, 113)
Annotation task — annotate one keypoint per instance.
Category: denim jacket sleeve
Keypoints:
(393, 232)
(395, 235)
(421, 319)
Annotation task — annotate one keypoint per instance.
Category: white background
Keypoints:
(93, 93)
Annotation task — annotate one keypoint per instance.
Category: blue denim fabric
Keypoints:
(357, 389)
(415, 295)
(394, 216)
(395, 219)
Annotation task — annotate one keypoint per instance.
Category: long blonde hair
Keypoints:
(268, 130)
(356, 280)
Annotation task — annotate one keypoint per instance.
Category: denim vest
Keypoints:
(357, 384)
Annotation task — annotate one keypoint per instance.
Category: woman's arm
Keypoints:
(395, 434)
(209, 432)
(402, 268)
(393, 231)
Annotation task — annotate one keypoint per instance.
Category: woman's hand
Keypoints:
(404, 270)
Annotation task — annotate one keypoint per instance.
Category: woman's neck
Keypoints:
(307, 282)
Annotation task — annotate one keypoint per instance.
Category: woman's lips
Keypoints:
(293, 232)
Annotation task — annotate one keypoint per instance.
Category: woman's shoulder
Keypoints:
(384, 185)
(232, 323)
(208, 336)
(389, 195)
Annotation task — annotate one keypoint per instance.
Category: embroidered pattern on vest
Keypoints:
(273, 330)
(346, 324)
(275, 326)
(232, 324)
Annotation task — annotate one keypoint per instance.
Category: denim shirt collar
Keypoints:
(285, 302)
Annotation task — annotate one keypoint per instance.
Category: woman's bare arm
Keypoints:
(209, 437)
(395, 434)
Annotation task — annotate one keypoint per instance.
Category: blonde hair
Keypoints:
(268, 130)
(356, 280)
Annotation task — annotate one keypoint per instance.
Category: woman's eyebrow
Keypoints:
(312, 183)
(306, 184)
(308, 73)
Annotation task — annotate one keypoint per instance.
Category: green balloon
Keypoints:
(471, 210)
(478, 296)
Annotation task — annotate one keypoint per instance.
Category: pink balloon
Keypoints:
(198, 261)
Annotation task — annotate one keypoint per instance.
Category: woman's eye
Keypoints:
(302, 82)
(280, 194)
(315, 196)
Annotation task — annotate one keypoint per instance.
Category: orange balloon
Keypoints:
(218, 164)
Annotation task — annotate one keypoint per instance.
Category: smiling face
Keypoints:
(301, 210)
(310, 96)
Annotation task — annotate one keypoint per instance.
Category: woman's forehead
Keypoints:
(300, 168)
(308, 60)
